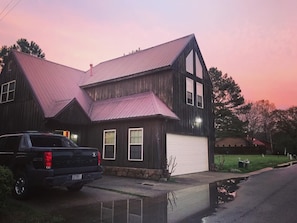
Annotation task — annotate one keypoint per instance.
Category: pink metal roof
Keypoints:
(133, 106)
(54, 85)
(144, 60)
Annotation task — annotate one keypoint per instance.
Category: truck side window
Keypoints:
(12, 143)
(2, 143)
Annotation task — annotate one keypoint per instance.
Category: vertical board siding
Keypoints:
(159, 83)
(153, 142)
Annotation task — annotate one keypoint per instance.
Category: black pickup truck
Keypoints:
(45, 159)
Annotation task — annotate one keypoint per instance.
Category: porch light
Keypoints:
(198, 121)
(74, 137)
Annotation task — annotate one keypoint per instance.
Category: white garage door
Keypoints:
(190, 153)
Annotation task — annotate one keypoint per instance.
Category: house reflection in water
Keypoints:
(176, 206)
(187, 205)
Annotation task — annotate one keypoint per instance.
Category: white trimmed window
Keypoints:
(189, 91)
(198, 66)
(199, 95)
(135, 147)
(7, 92)
(189, 63)
(109, 144)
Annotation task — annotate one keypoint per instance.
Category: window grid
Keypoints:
(189, 91)
(135, 147)
(199, 95)
(109, 144)
(7, 92)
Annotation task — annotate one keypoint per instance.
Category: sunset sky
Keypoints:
(254, 41)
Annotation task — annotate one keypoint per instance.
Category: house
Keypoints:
(148, 112)
(232, 142)
(239, 145)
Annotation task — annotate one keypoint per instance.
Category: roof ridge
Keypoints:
(146, 49)
(45, 60)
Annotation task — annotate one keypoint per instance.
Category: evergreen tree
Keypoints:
(21, 45)
(229, 104)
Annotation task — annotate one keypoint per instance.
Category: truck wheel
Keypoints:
(21, 186)
(75, 187)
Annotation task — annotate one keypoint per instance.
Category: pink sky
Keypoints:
(253, 41)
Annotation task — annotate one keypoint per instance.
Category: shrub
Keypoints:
(6, 179)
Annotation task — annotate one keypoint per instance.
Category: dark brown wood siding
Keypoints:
(159, 83)
(23, 113)
(153, 142)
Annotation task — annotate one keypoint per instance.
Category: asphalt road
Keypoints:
(268, 197)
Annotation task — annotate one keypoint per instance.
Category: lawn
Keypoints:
(16, 211)
(227, 163)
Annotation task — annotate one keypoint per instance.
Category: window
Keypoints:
(189, 91)
(109, 144)
(7, 92)
(135, 147)
(198, 66)
(199, 95)
(189, 63)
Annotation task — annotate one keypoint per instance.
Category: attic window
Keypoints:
(189, 63)
(7, 92)
(198, 66)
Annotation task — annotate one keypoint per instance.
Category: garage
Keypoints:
(190, 153)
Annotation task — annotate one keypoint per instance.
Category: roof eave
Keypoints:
(138, 118)
(159, 69)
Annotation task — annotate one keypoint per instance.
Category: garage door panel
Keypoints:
(190, 152)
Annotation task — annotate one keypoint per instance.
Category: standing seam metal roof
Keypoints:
(141, 61)
(55, 85)
(134, 106)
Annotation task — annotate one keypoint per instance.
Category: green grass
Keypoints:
(18, 212)
(226, 163)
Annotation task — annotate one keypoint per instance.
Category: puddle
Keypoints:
(187, 205)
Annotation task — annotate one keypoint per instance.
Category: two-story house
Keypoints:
(147, 112)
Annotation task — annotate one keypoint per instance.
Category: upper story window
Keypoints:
(193, 65)
(198, 66)
(199, 95)
(7, 92)
(135, 147)
(189, 63)
(189, 91)
(109, 144)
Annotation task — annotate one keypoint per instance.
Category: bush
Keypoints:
(6, 179)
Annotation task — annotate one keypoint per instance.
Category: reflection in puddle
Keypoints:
(187, 205)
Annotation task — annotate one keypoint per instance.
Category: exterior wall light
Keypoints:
(198, 121)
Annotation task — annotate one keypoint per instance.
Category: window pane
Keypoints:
(109, 151)
(109, 137)
(10, 96)
(199, 95)
(189, 98)
(198, 66)
(136, 136)
(199, 101)
(12, 86)
(3, 97)
(189, 91)
(135, 152)
(189, 63)
(4, 88)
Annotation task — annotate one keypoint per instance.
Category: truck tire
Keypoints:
(75, 187)
(21, 186)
